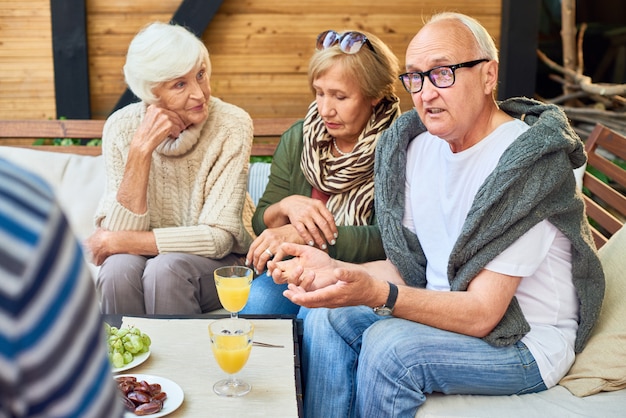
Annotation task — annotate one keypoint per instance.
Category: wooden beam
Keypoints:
(195, 15)
(518, 48)
(71, 65)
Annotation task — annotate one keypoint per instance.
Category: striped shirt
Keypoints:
(53, 359)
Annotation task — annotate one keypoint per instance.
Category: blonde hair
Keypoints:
(374, 71)
(161, 52)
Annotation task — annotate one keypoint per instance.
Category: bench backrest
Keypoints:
(605, 201)
(605, 184)
(22, 133)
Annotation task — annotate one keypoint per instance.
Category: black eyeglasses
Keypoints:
(441, 77)
(349, 42)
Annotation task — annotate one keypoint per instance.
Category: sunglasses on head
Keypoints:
(349, 42)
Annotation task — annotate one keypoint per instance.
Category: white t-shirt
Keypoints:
(440, 190)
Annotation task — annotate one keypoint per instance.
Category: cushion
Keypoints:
(258, 177)
(556, 402)
(77, 180)
(601, 366)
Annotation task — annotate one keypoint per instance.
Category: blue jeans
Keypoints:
(359, 364)
(266, 297)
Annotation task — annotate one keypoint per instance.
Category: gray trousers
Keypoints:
(172, 283)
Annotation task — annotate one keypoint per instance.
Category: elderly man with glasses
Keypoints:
(491, 283)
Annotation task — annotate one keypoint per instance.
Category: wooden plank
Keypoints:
(261, 84)
(605, 205)
(70, 149)
(602, 216)
(134, 7)
(13, 29)
(24, 9)
(417, 9)
(93, 128)
(51, 128)
(31, 74)
(612, 142)
(598, 238)
(17, 96)
(271, 126)
(266, 64)
(21, 133)
(19, 113)
(605, 193)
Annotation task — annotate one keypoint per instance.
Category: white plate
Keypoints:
(137, 360)
(174, 392)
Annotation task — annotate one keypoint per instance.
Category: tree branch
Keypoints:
(584, 81)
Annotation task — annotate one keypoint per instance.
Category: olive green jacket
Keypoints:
(356, 244)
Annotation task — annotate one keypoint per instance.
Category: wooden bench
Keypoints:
(23, 133)
(605, 183)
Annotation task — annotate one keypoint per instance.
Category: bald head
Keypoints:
(458, 30)
(452, 62)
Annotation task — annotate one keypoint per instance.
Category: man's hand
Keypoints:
(353, 286)
(317, 280)
(309, 268)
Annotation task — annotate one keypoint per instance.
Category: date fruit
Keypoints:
(141, 397)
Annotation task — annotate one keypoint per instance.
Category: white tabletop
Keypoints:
(181, 352)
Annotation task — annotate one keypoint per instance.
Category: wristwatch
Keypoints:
(387, 308)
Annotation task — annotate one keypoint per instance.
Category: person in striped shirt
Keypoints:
(53, 359)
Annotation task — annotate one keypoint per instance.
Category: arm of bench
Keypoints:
(605, 203)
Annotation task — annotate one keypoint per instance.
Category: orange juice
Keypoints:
(231, 343)
(231, 351)
(233, 292)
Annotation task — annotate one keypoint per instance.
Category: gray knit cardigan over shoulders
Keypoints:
(533, 181)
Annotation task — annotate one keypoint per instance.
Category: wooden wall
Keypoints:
(259, 48)
(26, 67)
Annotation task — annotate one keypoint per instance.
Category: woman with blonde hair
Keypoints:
(321, 188)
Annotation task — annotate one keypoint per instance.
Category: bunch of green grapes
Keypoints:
(124, 343)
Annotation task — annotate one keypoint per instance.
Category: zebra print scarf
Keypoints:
(349, 179)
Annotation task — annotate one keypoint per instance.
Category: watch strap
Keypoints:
(393, 296)
(387, 308)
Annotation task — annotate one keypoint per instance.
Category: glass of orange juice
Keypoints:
(233, 287)
(231, 342)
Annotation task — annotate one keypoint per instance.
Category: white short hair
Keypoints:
(161, 52)
(486, 46)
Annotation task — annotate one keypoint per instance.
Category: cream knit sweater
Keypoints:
(197, 186)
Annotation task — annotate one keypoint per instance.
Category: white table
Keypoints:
(181, 352)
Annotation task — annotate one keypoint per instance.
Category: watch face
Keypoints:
(382, 311)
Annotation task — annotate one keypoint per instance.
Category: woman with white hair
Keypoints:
(177, 165)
